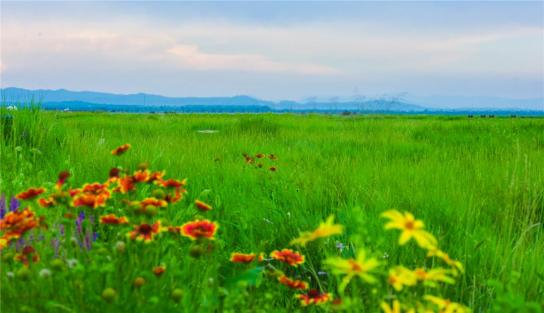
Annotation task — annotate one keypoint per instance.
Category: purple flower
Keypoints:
(14, 204)
(2, 206)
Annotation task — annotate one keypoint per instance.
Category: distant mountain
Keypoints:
(62, 99)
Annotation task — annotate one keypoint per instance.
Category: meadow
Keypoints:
(477, 184)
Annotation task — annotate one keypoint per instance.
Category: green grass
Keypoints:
(477, 183)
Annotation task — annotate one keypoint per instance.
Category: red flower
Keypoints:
(31, 193)
(145, 232)
(27, 254)
(111, 219)
(237, 257)
(15, 224)
(159, 270)
(314, 297)
(173, 183)
(63, 176)
(114, 172)
(154, 202)
(288, 256)
(121, 149)
(199, 229)
(125, 184)
(293, 283)
(202, 206)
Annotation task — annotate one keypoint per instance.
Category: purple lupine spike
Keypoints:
(88, 240)
(79, 222)
(95, 236)
(14, 204)
(2, 206)
(56, 245)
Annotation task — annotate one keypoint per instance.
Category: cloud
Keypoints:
(192, 57)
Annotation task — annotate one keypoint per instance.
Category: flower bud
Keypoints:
(176, 295)
(109, 294)
(138, 282)
(120, 246)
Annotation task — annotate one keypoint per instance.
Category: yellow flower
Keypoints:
(361, 267)
(434, 275)
(410, 227)
(446, 258)
(446, 306)
(400, 276)
(391, 309)
(324, 230)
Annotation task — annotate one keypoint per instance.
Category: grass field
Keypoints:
(478, 184)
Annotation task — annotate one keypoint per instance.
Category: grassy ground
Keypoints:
(477, 183)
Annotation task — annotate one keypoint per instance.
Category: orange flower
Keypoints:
(237, 257)
(199, 229)
(202, 206)
(154, 202)
(91, 195)
(159, 270)
(111, 219)
(288, 256)
(145, 232)
(46, 203)
(15, 224)
(314, 297)
(125, 184)
(155, 176)
(173, 183)
(31, 193)
(293, 283)
(27, 254)
(141, 176)
(121, 149)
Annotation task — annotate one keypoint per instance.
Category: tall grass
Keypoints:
(477, 183)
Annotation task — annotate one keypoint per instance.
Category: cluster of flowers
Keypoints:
(369, 269)
(261, 160)
(140, 217)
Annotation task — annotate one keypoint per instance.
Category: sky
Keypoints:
(276, 50)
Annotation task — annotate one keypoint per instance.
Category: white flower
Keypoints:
(11, 108)
(10, 274)
(45, 273)
(72, 263)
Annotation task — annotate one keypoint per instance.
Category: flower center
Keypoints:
(145, 229)
(409, 225)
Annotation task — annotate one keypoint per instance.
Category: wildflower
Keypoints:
(237, 257)
(272, 157)
(3, 243)
(446, 258)
(293, 283)
(159, 270)
(141, 176)
(202, 206)
(138, 282)
(10, 274)
(30, 193)
(121, 149)
(63, 176)
(45, 273)
(272, 168)
(27, 255)
(288, 256)
(361, 267)
(111, 219)
(410, 227)
(120, 246)
(326, 229)
(445, 305)
(172, 183)
(91, 195)
(145, 232)
(248, 159)
(114, 173)
(199, 229)
(400, 277)
(147, 202)
(72, 263)
(16, 224)
(46, 202)
(155, 176)
(434, 275)
(259, 155)
(314, 297)
(125, 184)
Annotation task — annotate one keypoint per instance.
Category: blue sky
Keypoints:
(277, 50)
